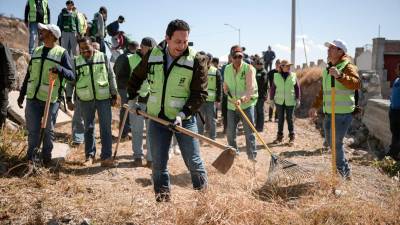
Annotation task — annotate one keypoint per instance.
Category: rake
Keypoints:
(279, 168)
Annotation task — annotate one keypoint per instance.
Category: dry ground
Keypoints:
(124, 195)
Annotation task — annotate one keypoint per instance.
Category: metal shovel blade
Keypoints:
(224, 161)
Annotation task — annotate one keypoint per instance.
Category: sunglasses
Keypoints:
(237, 56)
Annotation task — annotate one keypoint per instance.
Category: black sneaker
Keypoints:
(277, 140)
(138, 162)
(163, 197)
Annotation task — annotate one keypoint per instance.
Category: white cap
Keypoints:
(52, 28)
(337, 43)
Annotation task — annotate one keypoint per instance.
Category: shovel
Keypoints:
(333, 127)
(229, 153)
(37, 152)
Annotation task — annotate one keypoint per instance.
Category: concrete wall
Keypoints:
(364, 60)
(377, 120)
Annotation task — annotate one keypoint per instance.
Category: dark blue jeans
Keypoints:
(160, 138)
(259, 115)
(207, 111)
(103, 108)
(33, 115)
(342, 124)
(395, 129)
(281, 110)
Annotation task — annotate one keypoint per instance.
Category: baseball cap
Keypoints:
(149, 42)
(52, 28)
(236, 50)
(337, 43)
(285, 62)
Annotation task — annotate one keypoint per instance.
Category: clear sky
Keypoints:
(262, 22)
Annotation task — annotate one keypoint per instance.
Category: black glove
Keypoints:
(20, 101)
(56, 69)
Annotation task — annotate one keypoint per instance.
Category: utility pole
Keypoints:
(305, 51)
(293, 42)
(235, 28)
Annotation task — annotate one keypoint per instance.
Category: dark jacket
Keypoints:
(262, 83)
(218, 94)
(122, 70)
(39, 13)
(198, 86)
(68, 21)
(7, 68)
(269, 56)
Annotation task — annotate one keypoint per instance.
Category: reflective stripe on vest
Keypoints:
(92, 78)
(134, 60)
(69, 21)
(33, 11)
(284, 92)
(38, 83)
(212, 84)
(177, 87)
(344, 97)
(237, 84)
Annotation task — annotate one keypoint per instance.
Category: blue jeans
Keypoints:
(102, 44)
(207, 110)
(259, 115)
(103, 108)
(137, 126)
(160, 138)
(233, 120)
(33, 36)
(342, 124)
(124, 99)
(78, 127)
(34, 111)
(281, 110)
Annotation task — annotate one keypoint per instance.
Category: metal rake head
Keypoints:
(282, 169)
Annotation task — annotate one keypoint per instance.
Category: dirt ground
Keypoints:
(75, 194)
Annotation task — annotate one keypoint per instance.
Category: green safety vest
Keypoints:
(69, 21)
(32, 11)
(82, 23)
(344, 98)
(237, 84)
(92, 78)
(284, 92)
(38, 83)
(170, 94)
(212, 84)
(134, 60)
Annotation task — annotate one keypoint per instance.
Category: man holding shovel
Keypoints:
(178, 84)
(45, 58)
(346, 81)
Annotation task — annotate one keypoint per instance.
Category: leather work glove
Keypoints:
(333, 71)
(20, 101)
(113, 100)
(272, 104)
(135, 106)
(297, 103)
(70, 105)
(56, 69)
(178, 119)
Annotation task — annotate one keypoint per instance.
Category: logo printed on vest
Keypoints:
(181, 82)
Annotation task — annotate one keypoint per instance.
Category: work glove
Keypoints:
(70, 105)
(333, 71)
(272, 104)
(56, 69)
(20, 101)
(178, 119)
(297, 103)
(113, 100)
(135, 106)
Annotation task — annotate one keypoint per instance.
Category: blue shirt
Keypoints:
(395, 97)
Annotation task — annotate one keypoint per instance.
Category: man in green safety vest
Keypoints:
(208, 109)
(44, 58)
(346, 82)
(96, 90)
(36, 11)
(70, 28)
(240, 82)
(178, 87)
(285, 96)
(137, 121)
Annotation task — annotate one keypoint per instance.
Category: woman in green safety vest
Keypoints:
(285, 95)
(240, 83)
(178, 87)
(346, 82)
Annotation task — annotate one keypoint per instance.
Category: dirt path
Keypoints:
(124, 195)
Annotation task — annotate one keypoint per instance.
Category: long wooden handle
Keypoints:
(333, 129)
(179, 128)
(250, 124)
(52, 79)
(121, 129)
